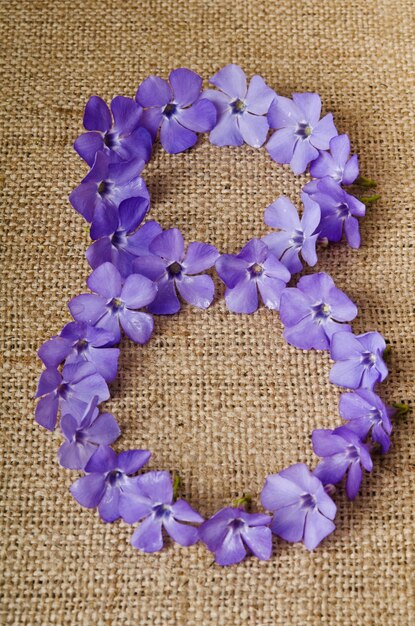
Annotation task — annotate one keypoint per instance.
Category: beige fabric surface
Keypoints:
(217, 397)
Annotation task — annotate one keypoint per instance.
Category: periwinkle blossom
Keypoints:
(175, 106)
(313, 311)
(302, 509)
(366, 414)
(117, 132)
(231, 531)
(343, 452)
(174, 270)
(123, 242)
(358, 359)
(254, 269)
(114, 303)
(68, 391)
(337, 162)
(241, 109)
(108, 480)
(339, 212)
(296, 235)
(300, 134)
(79, 342)
(103, 189)
(151, 501)
(83, 435)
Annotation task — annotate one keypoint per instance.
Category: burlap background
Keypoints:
(218, 397)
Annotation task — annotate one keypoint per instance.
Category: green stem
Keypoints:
(387, 351)
(176, 486)
(245, 501)
(370, 199)
(362, 181)
(402, 409)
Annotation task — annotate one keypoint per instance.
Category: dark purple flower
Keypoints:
(343, 451)
(358, 359)
(241, 110)
(300, 133)
(108, 480)
(84, 434)
(104, 188)
(337, 163)
(151, 500)
(113, 303)
(338, 209)
(295, 235)
(303, 511)
(254, 268)
(176, 109)
(124, 242)
(313, 311)
(367, 414)
(119, 135)
(79, 342)
(69, 391)
(231, 530)
(172, 269)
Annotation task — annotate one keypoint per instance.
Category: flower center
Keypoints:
(174, 269)
(119, 239)
(114, 477)
(82, 345)
(238, 106)
(352, 452)
(63, 390)
(368, 359)
(169, 110)
(103, 187)
(304, 130)
(308, 501)
(297, 237)
(237, 523)
(115, 305)
(375, 416)
(161, 510)
(110, 139)
(321, 311)
(343, 210)
(256, 269)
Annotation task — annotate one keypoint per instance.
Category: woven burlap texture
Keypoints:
(217, 397)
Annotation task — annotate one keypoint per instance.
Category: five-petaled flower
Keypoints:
(367, 415)
(358, 359)
(302, 509)
(241, 109)
(313, 311)
(337, 162)
(231, 531)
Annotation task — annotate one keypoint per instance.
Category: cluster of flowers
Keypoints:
(138, 266)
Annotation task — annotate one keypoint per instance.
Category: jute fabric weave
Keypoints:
(219, 398)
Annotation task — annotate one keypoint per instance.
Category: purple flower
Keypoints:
(337, 163)
(176, 109)
(84, 434)
(124, 242)
(122, 137)
(231, 530)
(313, 311)
(338, 209)
(241, 110)
(104, 188)
(296, 235)
(358, 359)
(108, 481)
(303, 511)
(79, 342)
(69, 391)
(300, 132)
(367, 414)
(343, 451)
(151, 500)
(113, 303)
(254, 268)
(172, 269)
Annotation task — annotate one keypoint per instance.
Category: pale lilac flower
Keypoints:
(118, 132)
(176, 108)
(241, 109)
(114, 303)
(343, 452)
(231, 531)
(84, 434)
(367, 415)
(303, 511)
(79, 342)
(295, 235)
(123, 242)
(108, 480)
(254, 269)
(339, 210)
(68, 391)
(313, 311)
(171, 268)
(300, 133)
(336, 163)
(358, 359)
(151, 500)
(103, 189)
